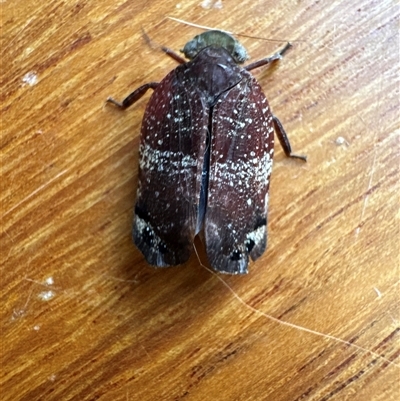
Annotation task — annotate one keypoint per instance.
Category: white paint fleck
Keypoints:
(49, 281)
(341, 141)
(27, 50)
(30, 78)
(211, 4)
(17, 313)
(36, 327)
(46, 295)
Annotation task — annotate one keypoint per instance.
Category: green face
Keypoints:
(217, 39)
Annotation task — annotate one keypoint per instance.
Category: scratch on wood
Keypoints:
(35, 192)
(371, 174)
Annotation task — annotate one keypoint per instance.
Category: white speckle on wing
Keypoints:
(164, 160)
(246, 174)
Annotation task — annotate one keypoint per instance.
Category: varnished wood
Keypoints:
(82, 315)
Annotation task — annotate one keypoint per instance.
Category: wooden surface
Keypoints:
(83, 317)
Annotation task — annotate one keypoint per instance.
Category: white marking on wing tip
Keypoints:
(266, 201)
(140, 226)
(257, 235)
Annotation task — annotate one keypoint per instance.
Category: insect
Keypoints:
(205, 157)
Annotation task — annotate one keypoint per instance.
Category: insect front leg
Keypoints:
(166, 50)
(134, 96)
(284, 140)
(173, 55)
(267, 60)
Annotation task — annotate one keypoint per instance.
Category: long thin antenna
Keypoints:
(197, 26)
(292, 325)
(231, 33)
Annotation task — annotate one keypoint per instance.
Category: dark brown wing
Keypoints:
(173, 140)
(240, 166)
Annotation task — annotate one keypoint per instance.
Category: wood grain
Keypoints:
(82, 315)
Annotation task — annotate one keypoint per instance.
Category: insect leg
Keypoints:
(167, 51)
(284, 140)
(267, 60)
(173, 55)
(134, 96)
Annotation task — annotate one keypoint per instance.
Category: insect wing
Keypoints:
(240, 167)
(171, 153)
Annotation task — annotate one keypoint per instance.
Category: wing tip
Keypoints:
(156, 252)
